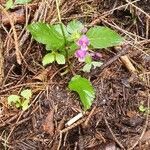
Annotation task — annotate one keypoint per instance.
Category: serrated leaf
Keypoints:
(27, 94)
(87, 67)
(9, 4)
(60, 59)
(25, 105)
(13, 99)
(103, 37)
(22, 1)
(57, 27)
(85, 90)
(74, 26)
(46, 34)
(96, 64)
(48, 58)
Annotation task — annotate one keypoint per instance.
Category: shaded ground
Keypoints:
(116, 122)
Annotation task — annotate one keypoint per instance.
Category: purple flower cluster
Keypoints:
(83, 43)
(81, 53)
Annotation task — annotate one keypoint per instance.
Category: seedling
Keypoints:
(10, 3)
(22, 100)
(78, 42)
(144, 109)
(73, 40)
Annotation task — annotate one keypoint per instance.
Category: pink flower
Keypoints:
(81, 54)
(83, 42)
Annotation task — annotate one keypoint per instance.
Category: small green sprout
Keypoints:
(22, 100)
(10, 4)
(144, 109)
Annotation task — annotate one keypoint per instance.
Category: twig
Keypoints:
(73, 126)
(36, 16)
(60, 140)
(74, 119)
(146, 14)
(18, 53)
(21, 85)
(125, 59)
(89, 116)
(105, 14)
(115, 138)
(14, 126)
(109, 62)
(146, 123)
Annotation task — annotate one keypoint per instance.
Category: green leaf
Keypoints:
(88, 59)
(87, 67)
(74, 36)
(22, 1)
(85, 90)
(13, 99)
(103, 37)
(57, 27)
(60, 58)
(72, 48)
(46, 34)
(27, 94)
(18, 104)
(9, 4)
(74, 26)
(96, 64)
(25, 105)
(48, 58)
(142, 108)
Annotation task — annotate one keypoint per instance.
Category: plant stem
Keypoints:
(59, 18)
(63, 32)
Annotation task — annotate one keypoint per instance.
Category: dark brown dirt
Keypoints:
(116, 122)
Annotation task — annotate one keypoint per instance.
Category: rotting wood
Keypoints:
(1, 61)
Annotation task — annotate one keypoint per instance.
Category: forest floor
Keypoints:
(115, 120)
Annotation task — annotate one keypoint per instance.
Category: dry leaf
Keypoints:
(48, 124)
(42, 76)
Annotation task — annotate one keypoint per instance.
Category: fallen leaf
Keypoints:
(48, 124)
(131, 114)
(42, 76)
